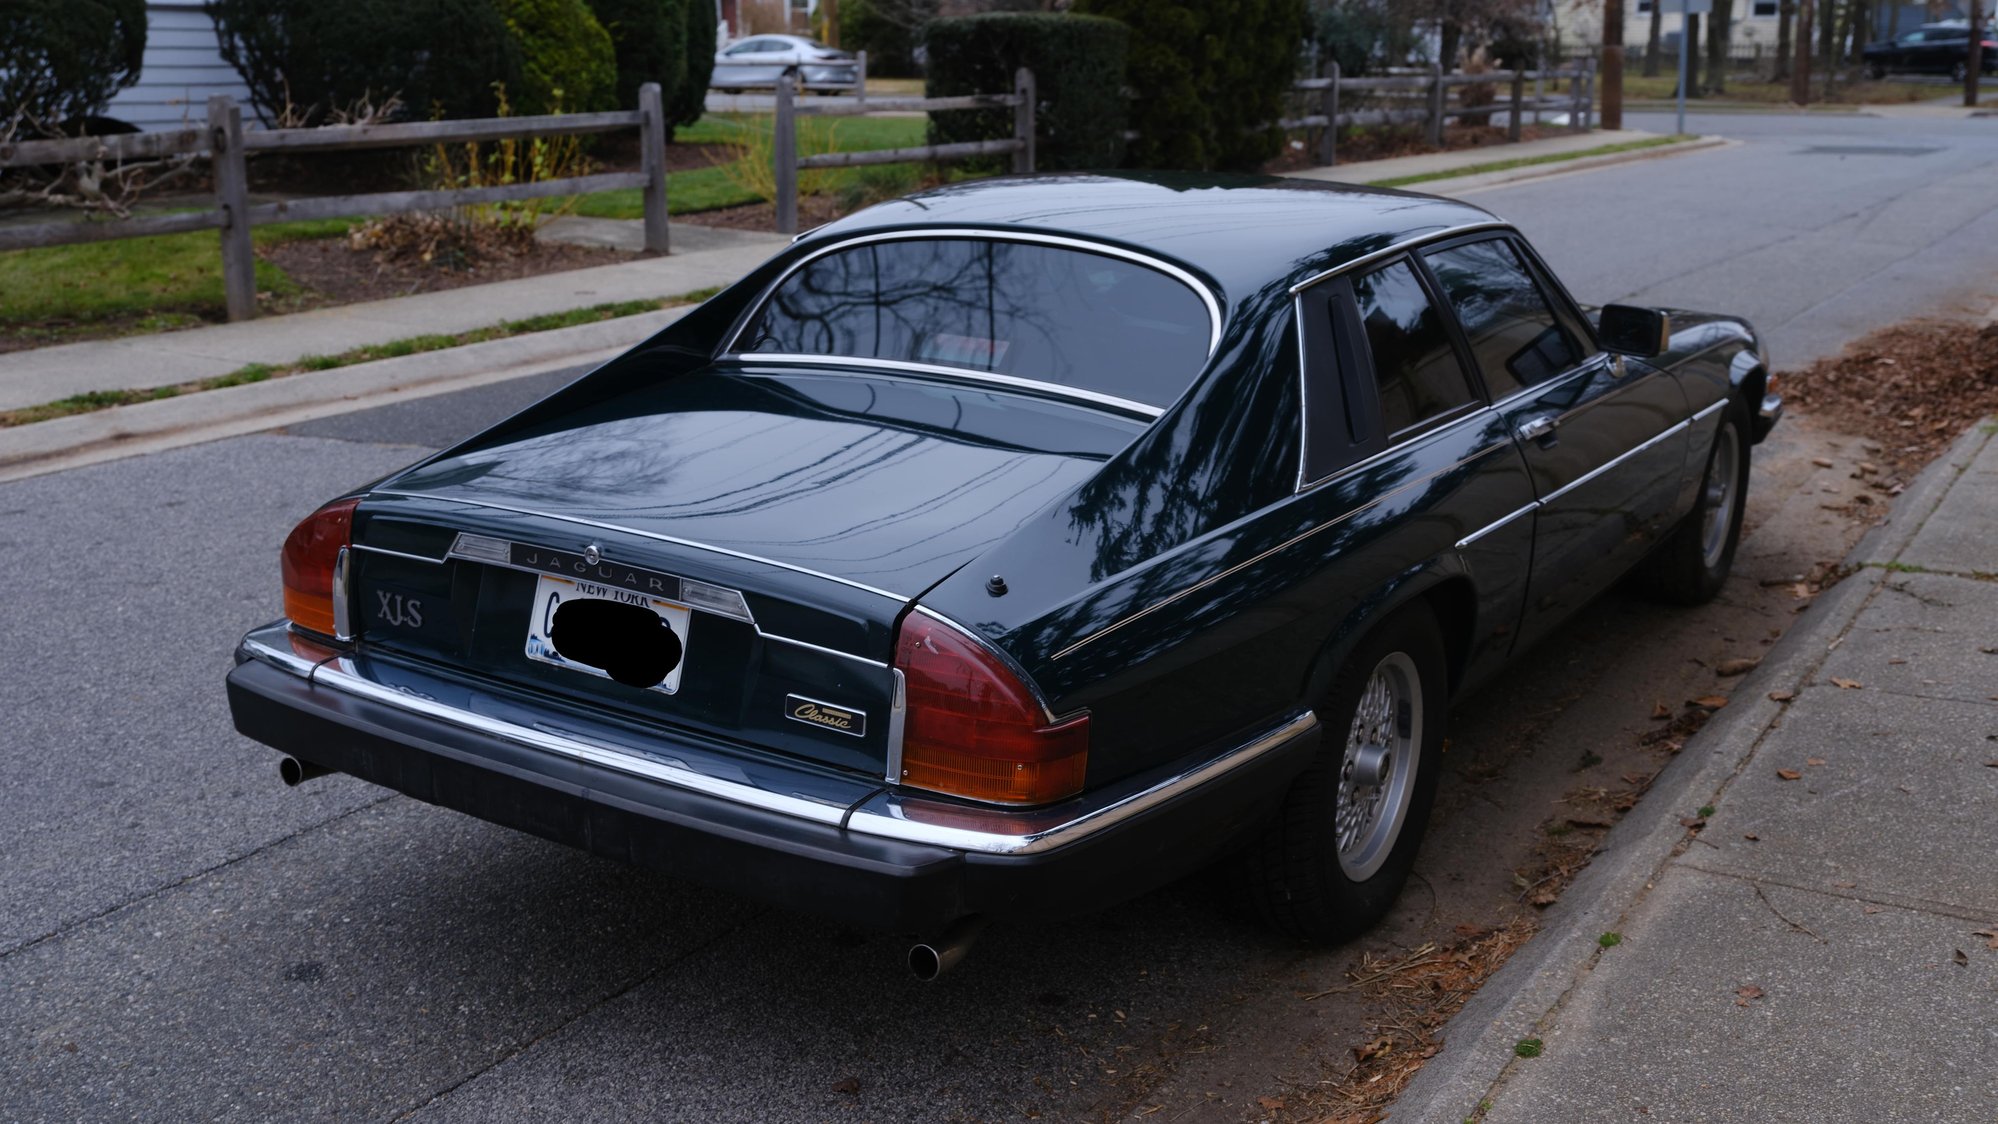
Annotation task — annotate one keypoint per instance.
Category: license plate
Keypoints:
(551, 592)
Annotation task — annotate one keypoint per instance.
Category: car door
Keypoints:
(754, 62)
(1601, 435)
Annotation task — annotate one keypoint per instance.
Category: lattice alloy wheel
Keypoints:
(1377, 774)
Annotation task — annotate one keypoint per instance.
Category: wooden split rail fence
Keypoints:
(229, 145)
(787, 163)
(1577, 101)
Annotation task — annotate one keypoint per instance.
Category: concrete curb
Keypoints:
(1460, 185)
(209, 415)
(1531, 987)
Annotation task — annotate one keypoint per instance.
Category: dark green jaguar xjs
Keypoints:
(1017, 546)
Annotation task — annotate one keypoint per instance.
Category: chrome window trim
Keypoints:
(898, 715)
(654, 536)
(1402, 246)
(988, 379)
(884, 814)
(988, 234)
(945, 233)
(1406, 245)
(1287, 543)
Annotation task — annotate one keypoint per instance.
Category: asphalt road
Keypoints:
(183, 938)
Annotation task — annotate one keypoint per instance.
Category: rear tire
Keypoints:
(1340, 848)
(1692, 564)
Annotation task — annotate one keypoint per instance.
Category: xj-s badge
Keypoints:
(815, 713)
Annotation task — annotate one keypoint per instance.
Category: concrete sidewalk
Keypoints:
(1459, 160)
(1823, 948)
(703, 257)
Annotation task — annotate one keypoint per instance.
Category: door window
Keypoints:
(1415, 365)
(1514, 335)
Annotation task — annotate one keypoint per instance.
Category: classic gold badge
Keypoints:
(813, 712)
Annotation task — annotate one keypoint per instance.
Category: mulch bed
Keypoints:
(335, 274)
(1385, 143)
(1912, 388)
(813, 210)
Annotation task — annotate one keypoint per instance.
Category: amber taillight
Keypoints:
(311, 552)
(974, 728)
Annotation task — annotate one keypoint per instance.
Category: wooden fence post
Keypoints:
(860, 58)
(1518, 102)
(1328, 102)
(1023, 120)
(1575, 101)
(1436, 104)
(232, 198)
(652, 128)
(784, 157)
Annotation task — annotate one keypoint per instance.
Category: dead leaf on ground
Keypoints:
(1822, 462)
(848, 1085)
(1962, 958)
(1751, 837)
(1990, 937)
(1789, 775)
(1846, 684)
(1745, 993)
(1814, 760)
(1660, 710)
(1711, 702)
(1271, 1104)
(1741, 666)
(1782, 696)
(1374, 1049)
(1694, 822)
(1870, 910)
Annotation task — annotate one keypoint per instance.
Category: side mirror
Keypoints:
(1629, 330)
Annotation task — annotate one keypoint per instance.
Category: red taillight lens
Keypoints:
(310, 553)
(973, 728)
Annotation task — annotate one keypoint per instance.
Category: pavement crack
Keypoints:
(147, 895)
(587, 1008)
(1786, 919)
(1910, 905)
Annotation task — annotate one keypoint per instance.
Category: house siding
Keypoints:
(183, 66)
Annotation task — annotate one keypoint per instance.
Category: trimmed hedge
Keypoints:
(887, 31)
(439, 56)
(650, 41)
(63, 59)
(566, 57)
(1078, 64)
(1210, 77)
(685, 105)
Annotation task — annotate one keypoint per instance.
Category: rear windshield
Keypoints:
(1047, 313)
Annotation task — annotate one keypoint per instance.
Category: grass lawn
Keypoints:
(708, 189)
(171, 280)
(1859, 91)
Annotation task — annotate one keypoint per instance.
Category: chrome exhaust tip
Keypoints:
(932, 958)
(295, 772)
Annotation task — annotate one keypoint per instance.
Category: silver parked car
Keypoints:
(762, 60)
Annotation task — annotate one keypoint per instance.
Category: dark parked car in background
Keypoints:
(1935, 48)
(1016, 547)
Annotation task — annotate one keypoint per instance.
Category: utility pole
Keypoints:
(1800, 68)
(1974, 67)
(1613, 64)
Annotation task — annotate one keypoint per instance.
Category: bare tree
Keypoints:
(1652, 40)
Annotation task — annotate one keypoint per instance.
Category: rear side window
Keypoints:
(1514, 334)
(1414, 363)
(1046, 313)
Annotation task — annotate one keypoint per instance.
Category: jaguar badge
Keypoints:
(593, 554)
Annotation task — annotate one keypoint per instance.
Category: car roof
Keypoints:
(1245, 233)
